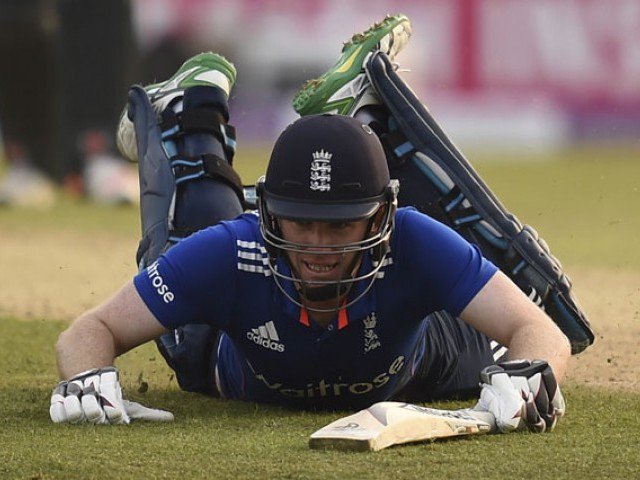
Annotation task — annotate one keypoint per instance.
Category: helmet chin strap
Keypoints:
(324, 292)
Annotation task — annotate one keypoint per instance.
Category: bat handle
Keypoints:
(483, 416)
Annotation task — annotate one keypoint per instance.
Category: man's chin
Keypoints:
(325, 293)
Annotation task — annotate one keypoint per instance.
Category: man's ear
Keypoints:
(377, 218)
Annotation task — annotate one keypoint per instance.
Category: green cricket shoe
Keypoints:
(345, 87)
(203, 69)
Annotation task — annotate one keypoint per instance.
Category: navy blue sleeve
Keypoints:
(446, 270)
(194, 282)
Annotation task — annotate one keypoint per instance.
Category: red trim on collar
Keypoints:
(304, 317)
(343, 320)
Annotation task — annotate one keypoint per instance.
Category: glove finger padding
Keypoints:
(549, 400)
(57, 411)
(533, 418)
(91, 406)
(500, 397)
(539, 389)
(544, 386)
(96, 396)
(111, 397)
(72, 404)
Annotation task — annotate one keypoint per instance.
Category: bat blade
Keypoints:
(393, 423)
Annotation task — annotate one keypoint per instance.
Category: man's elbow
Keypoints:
(86, 331)
(62, 342)
(564, 346)
(560, 353)
(559, 339)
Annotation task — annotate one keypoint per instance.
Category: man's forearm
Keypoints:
(86, 344)
(552, 345)
(502, 312)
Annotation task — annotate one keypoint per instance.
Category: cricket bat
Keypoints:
(392, 423)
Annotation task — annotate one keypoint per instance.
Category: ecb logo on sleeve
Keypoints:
(371, 339)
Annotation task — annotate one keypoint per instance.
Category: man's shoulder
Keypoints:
(218, 243)
(411, 222)
(245, 227)
(404, 212)
(418, 234)
(251, 253)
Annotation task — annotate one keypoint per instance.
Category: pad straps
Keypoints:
(199, 120)
(176, 126)
(206, 165)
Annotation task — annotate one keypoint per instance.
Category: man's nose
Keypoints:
(319, 233)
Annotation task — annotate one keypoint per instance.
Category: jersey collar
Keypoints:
(358, 310)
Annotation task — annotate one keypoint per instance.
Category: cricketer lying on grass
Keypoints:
(331, 296)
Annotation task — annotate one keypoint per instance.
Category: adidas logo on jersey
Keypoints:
(266, 336)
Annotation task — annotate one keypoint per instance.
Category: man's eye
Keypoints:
(340, 225)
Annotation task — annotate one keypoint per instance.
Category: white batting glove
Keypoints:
(522, 394)
(500, 397)
(95, 396)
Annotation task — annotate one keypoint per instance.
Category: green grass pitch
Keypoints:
(584, 203)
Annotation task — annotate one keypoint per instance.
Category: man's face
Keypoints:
(329, 265)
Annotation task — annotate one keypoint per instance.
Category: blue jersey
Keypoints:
(271, 352)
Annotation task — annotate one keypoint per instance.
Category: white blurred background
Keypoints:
(496, 73)
(522, 78)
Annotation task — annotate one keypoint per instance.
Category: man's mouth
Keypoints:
(319, 267)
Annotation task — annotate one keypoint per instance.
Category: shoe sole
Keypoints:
(313, 94)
